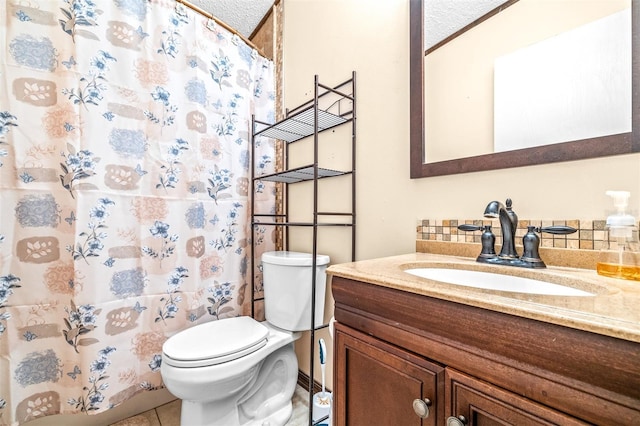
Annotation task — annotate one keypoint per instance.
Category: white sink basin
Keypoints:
(493, 281)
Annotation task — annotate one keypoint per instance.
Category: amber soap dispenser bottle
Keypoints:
(620, 258)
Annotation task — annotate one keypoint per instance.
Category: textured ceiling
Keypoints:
(241, 15)
(444, 17)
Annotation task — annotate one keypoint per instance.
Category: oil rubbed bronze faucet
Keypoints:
(508, 224)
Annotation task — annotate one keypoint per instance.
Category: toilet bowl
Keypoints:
(238, 371)
(225, 386)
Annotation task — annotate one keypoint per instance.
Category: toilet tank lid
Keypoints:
(293, 258)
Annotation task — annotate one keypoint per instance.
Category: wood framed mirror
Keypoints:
(601, 146)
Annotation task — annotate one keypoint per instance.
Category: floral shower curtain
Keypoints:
(124, 143)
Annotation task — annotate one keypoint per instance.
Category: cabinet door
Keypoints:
(378, 384)
(482, 404)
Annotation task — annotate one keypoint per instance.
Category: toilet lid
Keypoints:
(215, 342)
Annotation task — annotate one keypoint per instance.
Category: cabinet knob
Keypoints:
(421, 407)
(457, 421)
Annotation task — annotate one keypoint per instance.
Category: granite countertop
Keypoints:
(613, 310)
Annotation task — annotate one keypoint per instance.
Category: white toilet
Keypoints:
(241, 372)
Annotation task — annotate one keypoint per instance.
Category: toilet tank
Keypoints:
(287, 277)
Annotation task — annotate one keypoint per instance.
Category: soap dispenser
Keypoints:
(620, 258)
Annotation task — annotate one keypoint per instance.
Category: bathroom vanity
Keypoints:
(414, 351)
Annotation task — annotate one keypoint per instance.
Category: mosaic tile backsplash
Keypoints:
(591, 234)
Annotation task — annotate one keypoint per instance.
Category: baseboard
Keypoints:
(303, 381)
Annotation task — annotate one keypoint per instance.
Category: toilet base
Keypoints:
(189, 417)
(266, 401)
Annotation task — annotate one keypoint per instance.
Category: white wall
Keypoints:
(333, 37)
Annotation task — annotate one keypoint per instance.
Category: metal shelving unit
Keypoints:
(330, 107)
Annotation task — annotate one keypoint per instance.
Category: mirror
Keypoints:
(582, 148)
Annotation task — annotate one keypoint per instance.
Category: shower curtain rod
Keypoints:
(221, 23)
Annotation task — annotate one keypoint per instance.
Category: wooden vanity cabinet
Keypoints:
(490, 367)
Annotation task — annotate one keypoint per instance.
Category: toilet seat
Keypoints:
(234, 338)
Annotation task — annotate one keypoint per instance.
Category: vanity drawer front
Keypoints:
(377, 383)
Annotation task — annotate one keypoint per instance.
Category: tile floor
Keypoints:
(169, 414)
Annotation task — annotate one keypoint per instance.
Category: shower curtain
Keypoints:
(124, 193)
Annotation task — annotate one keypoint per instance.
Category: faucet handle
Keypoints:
(469, 227)
(488, 240)
(557, 230)
(531, 243)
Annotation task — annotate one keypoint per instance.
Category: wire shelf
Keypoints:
(300, 174)
(300, 125)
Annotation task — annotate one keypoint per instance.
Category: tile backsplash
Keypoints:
(591, 234)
